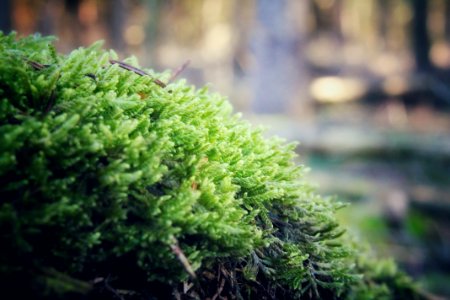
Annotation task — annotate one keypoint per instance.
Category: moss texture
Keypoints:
(114, 184)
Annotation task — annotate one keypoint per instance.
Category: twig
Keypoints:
(137, 71)
(219, 290)
(183, 259)
(177, 295)
(112, 290)
(36, 65)
(97, 280)
(187, 286)
(179, 70)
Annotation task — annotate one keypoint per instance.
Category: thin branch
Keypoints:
(179, 70)
(112, 290)
(187, 286)
(137, 71)
(177, 295)
(36, 65)
(219, 290)
(183, 259)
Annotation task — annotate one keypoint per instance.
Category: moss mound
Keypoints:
(116, 185)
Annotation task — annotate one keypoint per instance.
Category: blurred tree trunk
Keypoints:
(280, 67)
(383, 24)
(116, 22)
(421, 39)
(47, 24)
(328, 19)
(447, 21)
(336, 11)
(155, 10)
(5, 16)
(71, 7)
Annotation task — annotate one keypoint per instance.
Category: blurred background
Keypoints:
(363, 85)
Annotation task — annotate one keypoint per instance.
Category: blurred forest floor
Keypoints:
(391, 162)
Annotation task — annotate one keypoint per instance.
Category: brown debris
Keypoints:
(137, 71)
(36, 65)
(177, 72)
(183, 259)
(194, 186)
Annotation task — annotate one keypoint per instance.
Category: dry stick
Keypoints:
(179, 70)
(111, 289)
(222, 283)
(36, 65)
(177, 295)
(187, 266)
(187, 286)
(219, 291)
(183, 259)
(137, 71)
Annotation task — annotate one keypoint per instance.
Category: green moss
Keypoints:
(112, 184)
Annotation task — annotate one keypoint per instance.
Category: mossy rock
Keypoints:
(115, 185)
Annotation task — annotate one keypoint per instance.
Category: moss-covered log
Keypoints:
(115, 183)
